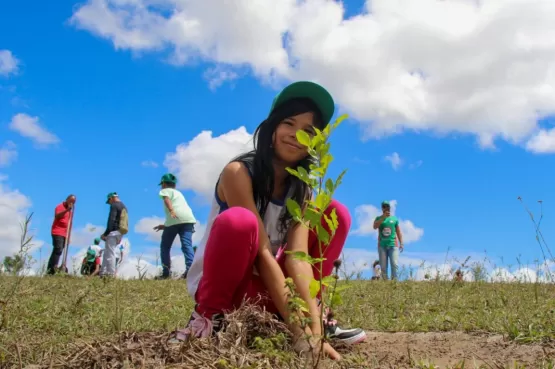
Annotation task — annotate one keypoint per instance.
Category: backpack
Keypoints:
(123, 222)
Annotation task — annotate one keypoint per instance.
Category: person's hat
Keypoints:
(97, 241)
(110, 195)
(91, 255)
(310, 90)
(168, 178)
(385, 203)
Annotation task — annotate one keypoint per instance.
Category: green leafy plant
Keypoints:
(313, 215)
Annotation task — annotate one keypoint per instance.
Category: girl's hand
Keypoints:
(306, 346)
(159, 227)
(330, 352)
(172, 213)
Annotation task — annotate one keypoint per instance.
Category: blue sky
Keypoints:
(113, 108)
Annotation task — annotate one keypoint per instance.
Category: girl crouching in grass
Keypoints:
(250, 228)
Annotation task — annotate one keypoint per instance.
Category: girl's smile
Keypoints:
(295, 146)
(286, 146)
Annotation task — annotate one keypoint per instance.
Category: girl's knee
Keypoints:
(236, 220)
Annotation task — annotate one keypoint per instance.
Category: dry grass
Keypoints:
(64, 322)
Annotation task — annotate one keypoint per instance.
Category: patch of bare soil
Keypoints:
(381, 350)
(451, 348)
(253, 339)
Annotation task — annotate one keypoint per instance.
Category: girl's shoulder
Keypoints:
(236, 177)
(234, 169)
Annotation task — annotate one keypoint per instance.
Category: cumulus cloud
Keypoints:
(14, 207)
(31, 128)
(8, 154)
(149, 164)
(542, 142)
(366, 214)
(206, 156)
(417, 164)
(219, 75)
(421, 266)
(395, 160)
(145, 226)
(9, 64)
(485, 68)
(84, 236)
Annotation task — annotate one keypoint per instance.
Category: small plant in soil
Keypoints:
(312, 214)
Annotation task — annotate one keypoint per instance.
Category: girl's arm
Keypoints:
(236, 188)
(301, 272)
(168, 204)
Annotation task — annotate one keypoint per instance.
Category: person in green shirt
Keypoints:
(388, 234)
(179, 221)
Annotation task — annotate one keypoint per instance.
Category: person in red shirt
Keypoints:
(60, 225)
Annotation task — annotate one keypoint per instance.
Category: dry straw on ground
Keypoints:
(250, 337)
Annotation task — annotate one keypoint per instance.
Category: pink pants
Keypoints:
(230, 253)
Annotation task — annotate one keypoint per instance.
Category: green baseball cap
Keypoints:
(97, 241)
(110, 195)
(310, 90)
(168, 178)
(385, 203)
(91, 255)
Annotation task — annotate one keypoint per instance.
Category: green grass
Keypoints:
(48, 313)
(522, 311)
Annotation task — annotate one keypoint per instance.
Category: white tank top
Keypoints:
(271, 225)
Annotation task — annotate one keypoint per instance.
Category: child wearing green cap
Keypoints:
(250, 228)
(90, 265)
(179, 221)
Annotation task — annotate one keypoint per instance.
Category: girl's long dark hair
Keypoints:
(260, 161)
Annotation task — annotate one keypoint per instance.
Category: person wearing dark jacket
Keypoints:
(112, 235)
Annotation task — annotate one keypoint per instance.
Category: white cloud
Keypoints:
(30, 127)
(485, 68)
(84, 236)
(542, 142)
(211, 30)
(435, 271)
(8, 154)
(8, 63)
(417, 164)
(395, 160)
(149, 164)
(430, 266)
(219, 75)
(366, 214)
(131, 266)
(145, 226)
(14, 207)
(206, 156)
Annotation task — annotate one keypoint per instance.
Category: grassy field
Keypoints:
(45, 317)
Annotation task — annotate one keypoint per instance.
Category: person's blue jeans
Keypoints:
(185, 232)
(391, 253)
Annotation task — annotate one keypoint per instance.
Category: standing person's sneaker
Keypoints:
(161, 277)
(184, 275)
(199, 327)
